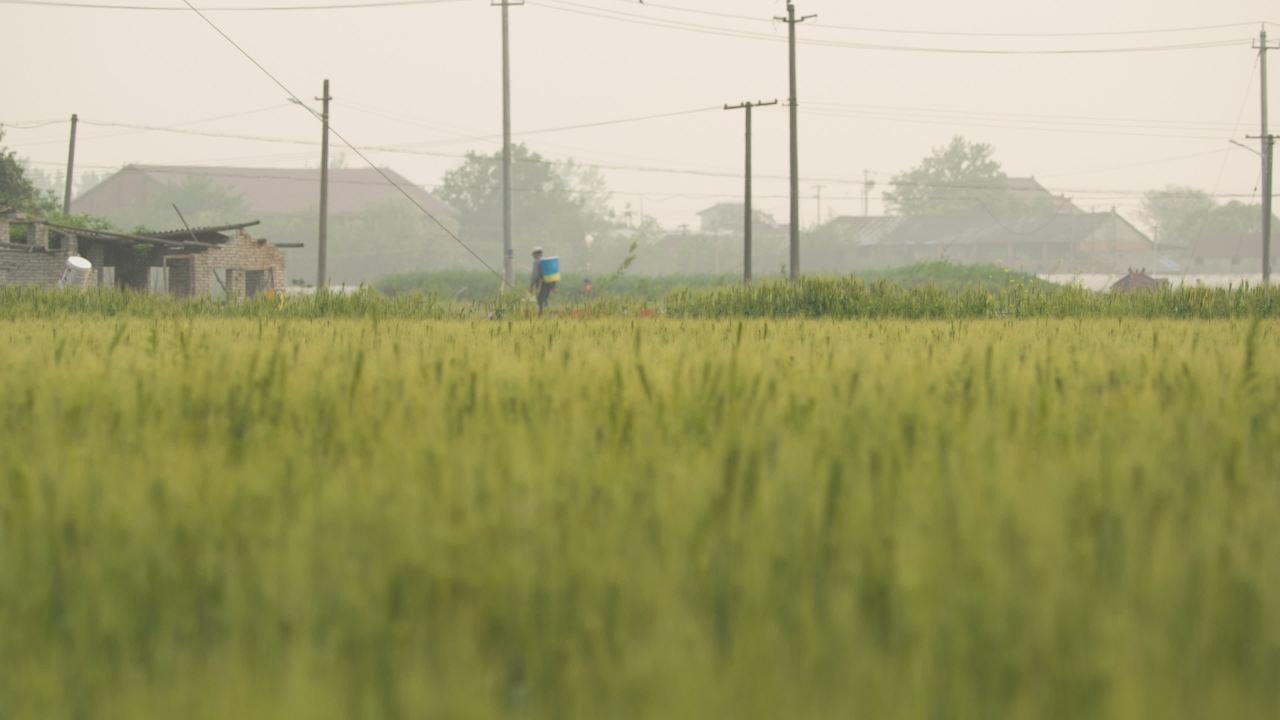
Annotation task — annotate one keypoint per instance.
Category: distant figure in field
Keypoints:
(587, 287)
(546, 273)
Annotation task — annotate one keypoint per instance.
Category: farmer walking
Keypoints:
(546, 273)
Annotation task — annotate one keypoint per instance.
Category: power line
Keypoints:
(932, 116)
(1034, 128)
(137, 129)
(201, 133)
(581, 126)
(663, 170)
(623, 167)
(1142, 163)
(391, 115)
(249, 174)
(1244, 102)
(342, 138)
(596, 12)
(1087, 120)
(266, 174)
(954, 33)
(33, 124)
(225, 8)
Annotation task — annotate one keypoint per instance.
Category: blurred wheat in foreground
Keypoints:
(289, 514)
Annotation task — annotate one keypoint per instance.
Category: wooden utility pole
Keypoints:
(1268, 151)
(748, 213)
(508, 271)
(322, 270)
(71, 166)
(791, 20)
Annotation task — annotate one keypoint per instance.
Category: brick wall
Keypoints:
(23, 267)
(240, 254)
(38, 265)
(38, 235)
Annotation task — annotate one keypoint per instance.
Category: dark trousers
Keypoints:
(544, 294)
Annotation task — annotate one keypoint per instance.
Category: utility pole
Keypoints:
(508, 272)
(322, 270)
(1268, 151)
(867, 184)
(818, 190)
(748, 214)
(71, 166)
(791, 20)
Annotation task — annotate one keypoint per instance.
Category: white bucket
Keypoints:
(76, 272)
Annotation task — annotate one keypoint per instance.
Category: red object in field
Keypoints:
(647, 312)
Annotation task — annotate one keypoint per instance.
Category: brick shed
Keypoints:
(222, 261)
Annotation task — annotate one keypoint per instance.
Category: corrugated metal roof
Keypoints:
(204, 234)
(126, 238)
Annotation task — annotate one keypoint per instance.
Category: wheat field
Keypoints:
(208, 517)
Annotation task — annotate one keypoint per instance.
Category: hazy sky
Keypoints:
(1100, 127)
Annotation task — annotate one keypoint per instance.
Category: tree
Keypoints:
(1180, 215)
(958, 178)
(17, 191)
(555, 205)
(89, 180)
(1177, 213)
(201, 200)
(46, 182)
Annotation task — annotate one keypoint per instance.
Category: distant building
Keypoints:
(224, 261)
(726, 218)
(364, 242)
(1029, 192)
(1046, 243)
(1237, 253)
(265, 191)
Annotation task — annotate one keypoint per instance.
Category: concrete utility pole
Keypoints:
(508, 272)
(1268, 151)
(818, 190)
(322, 270)
(867, 184)
(748, 213)
(71, 166)
(791, 20)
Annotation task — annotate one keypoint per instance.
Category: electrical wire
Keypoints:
(1034, 128)
(568, 149)
(349, 145)
(1126, 166)
(953, 33)
(267, 174)
(1244, 102)
(563, 128)
(33, 124)
(200, 133)
(621, 167)
(1085, 120)
(1222, 167)
(138, 129)
(225, 8)
(594, 11)
(1097, 193)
